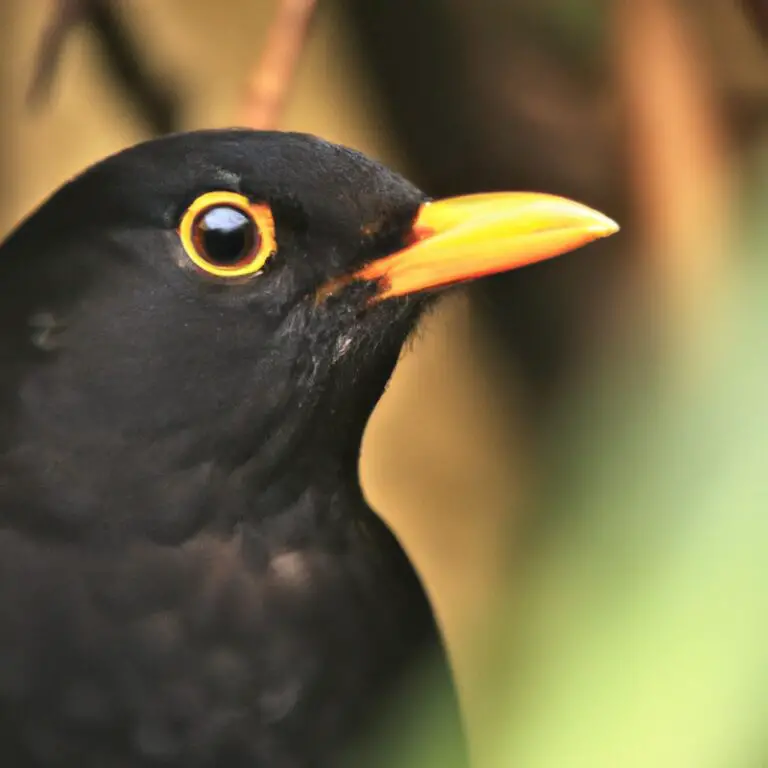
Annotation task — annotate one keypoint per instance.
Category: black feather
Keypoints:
(189, 574)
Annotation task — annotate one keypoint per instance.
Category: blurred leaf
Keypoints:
(584, 20)
(642, 638)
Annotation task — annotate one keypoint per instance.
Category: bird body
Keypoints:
(258, 645)
(193, 334)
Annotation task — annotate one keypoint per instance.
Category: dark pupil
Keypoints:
(226, 236)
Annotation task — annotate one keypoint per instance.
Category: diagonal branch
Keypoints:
(154, 101)
(271, 81)
(67, 14)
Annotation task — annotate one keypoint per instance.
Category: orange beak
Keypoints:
(463, 238)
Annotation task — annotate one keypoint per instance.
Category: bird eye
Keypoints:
(226, 235)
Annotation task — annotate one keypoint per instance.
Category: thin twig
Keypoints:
(155, 102)
(66, 15)
(271, 81)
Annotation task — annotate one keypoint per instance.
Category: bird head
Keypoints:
(229, 304)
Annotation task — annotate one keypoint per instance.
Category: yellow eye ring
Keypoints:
(226, 235)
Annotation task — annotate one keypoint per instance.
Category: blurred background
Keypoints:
(573, 454)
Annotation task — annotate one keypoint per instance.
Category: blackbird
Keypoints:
(193, 334)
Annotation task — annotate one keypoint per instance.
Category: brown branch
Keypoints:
(269, 86)
(677, 147)
(155, 102)
(66, 15)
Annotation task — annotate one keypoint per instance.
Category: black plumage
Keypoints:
(193, 334)
(189, 574)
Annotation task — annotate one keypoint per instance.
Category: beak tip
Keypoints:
(595, 225)
(606, 227)
(593, 221)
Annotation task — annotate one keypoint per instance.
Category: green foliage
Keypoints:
(641, 638)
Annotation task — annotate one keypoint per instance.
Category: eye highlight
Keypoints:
(226, 235)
